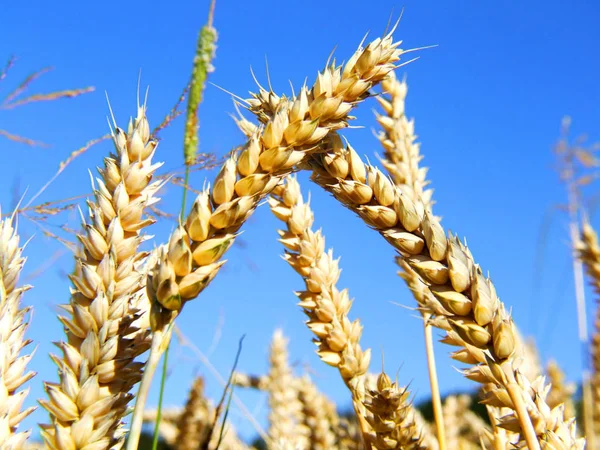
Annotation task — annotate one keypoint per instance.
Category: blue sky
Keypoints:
(488, 102)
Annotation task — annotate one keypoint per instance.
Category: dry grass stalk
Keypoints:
(460, 294)
(12, 100)
(589, 252)
(319, 416)
(191, 426)
(98, 367)
(401, 160)
(561, 392)
(13, 325)
(286, 427)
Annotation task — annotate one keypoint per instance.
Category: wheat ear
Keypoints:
(460, 294)
(327, 308)
(98, 368)
(191, 424)
(319, 416)
(171, 418)
(286, 426)
(589, 253)
(402, 161)
(13, 325)
(561, 392)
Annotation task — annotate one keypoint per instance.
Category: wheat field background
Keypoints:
(488, 101)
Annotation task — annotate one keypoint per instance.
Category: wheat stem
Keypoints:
(433, 382)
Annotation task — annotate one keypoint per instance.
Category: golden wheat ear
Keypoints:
(458, 291)
(98, 366)
(13, 325)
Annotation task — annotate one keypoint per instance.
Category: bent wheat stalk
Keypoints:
(98, 369)
(460, 294)
(13, 325)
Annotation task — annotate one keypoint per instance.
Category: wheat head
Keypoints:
(13, 325)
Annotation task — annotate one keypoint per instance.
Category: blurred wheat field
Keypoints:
(151, 227)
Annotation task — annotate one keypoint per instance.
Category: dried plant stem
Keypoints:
(456, 292)
(436, 399)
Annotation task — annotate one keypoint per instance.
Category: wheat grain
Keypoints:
(98, 367)
(477, 318)
(13, 325)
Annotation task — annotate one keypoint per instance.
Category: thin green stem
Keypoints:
(186, 181)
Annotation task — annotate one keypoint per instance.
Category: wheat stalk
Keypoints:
(460, 294)
(13, 325)
(98, 368)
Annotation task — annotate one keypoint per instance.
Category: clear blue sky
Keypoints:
(488, 102)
